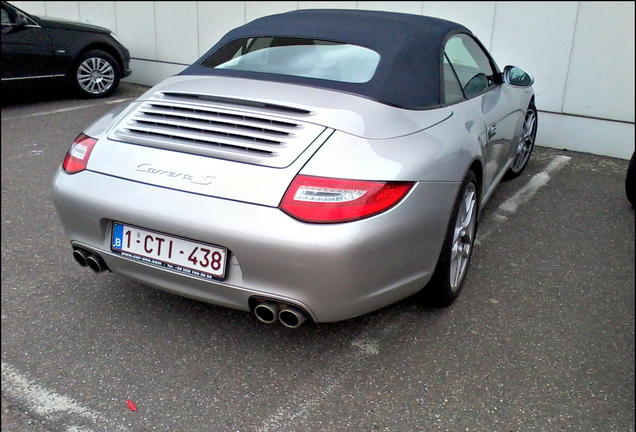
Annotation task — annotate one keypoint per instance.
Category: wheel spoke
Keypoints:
(469, 202)
(84, 69)
(529, 126)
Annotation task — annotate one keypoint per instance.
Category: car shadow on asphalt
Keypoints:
(24, 97)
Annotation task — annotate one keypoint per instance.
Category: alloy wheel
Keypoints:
(95, 75)
(526, 143)
(464, 237)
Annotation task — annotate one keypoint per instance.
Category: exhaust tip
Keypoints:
(96, 263)
(292, 317)
(81, 256)
(267, 312)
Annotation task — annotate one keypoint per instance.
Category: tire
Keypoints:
(630, 180)
(96, 75)
(526, 144)
(452, 266)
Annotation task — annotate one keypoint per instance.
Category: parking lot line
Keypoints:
(522, 196)
(57, 111)
(51, 406)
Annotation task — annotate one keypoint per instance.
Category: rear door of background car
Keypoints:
(496, 105)
(26, 48)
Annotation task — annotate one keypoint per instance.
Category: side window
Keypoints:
(452, 90)
(470, 63)
(6, 18)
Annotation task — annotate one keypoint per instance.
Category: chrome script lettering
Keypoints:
(200, 180)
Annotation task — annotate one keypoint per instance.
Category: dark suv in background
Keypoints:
(45, 52)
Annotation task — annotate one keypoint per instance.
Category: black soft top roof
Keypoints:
(410, 48)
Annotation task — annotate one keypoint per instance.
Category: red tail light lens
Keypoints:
(329, 200)
(77, 156)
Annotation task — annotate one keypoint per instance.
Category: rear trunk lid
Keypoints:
(242, 140)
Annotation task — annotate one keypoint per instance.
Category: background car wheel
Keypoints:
(526, 144)
(96, 75)
(448, 279)
(630, 180)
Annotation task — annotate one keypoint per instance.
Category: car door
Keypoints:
(27, 51)
(481, 85)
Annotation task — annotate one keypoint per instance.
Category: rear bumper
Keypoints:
(334, 272)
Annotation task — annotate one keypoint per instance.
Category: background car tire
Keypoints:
(526, 144)
(630, 180)
(452, 266)
(96, 75)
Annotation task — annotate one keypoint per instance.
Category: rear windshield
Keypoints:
(300, 57)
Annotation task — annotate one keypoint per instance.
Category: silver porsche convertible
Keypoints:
(316, 164)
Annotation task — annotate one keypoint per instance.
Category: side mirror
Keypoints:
(21, 20)
(476, 85)
(517, 77)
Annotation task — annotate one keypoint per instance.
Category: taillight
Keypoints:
(77, 156)
(330, 200)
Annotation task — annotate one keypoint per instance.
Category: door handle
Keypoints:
(492, 131)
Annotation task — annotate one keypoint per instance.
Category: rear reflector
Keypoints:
(77, 156)
(329, 200)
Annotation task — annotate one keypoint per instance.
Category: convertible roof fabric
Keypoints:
(410, 48)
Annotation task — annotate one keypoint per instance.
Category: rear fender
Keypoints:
(99, 126)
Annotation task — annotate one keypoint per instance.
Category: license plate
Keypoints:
(187, 256)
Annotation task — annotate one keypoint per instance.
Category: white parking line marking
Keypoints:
(300, 405)
(43, 113)
(53, 406)
(286, 415)
(522, 196)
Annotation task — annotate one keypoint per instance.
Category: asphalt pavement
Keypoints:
(542, 338)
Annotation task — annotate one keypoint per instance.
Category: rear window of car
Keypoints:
(300, 57)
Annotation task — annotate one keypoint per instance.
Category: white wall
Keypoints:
(580, 53)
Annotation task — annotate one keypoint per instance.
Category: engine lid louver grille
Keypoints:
(208, 129)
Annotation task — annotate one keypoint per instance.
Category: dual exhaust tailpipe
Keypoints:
(266, 311)
(270, 311)
(86, 258)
